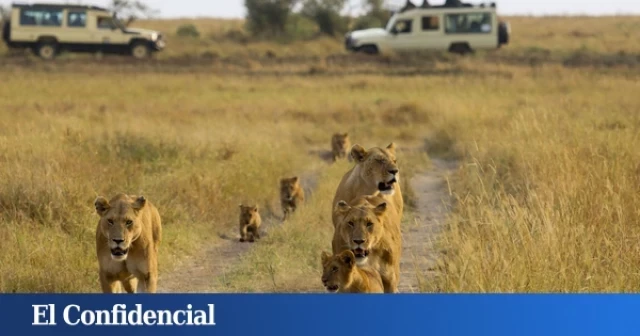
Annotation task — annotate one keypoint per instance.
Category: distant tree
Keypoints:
(376, 8)
(376, 14)
(268, 17)
(5, 13)
(326, 14)
(131, 10)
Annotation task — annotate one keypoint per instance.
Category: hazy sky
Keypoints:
(235, 8)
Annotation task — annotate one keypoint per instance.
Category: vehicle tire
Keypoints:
(369, 49)
(140, 50)
(460, 48)
(6, 32)
(503, 33)
(47, 50)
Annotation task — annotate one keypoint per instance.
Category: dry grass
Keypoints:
(547, 197)
(546, 193)
(196, 146)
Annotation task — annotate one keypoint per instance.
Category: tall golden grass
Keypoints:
(547, 197)
(546, 193)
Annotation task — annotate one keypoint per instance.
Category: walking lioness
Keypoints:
(375, 170)
(127, 238)
(368, 227)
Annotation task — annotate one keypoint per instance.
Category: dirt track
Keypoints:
(432, 204)
(205, 273)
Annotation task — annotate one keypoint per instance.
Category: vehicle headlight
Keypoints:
(154, 36)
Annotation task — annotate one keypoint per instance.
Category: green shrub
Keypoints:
(188, 30)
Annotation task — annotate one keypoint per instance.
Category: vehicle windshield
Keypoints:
(391, 22)
(118, 23)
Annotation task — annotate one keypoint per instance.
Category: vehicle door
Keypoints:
(431, 33)
(106, 31)
(402, 34)
(76, 30)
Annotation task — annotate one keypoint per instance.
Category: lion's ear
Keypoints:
(392, 148)
(295, 179)
(348, 258)
(380, 209)
(139, 203)
(102, 205)
(342, 206)
(346, 135)
(255, 208)
(358, 153)
(324, 257)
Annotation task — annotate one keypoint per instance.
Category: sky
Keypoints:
(235, 8)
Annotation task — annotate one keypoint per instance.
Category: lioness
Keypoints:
(376, 169)
(341, 274)
(340, 144)
(250, 222)
(291, 195)
(127, 239)
(368, 227)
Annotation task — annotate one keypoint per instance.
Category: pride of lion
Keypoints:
(366, 212)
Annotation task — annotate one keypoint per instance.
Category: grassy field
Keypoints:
(545, 131)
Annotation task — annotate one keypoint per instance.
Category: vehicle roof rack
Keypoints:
(409, 5)
(57, 5)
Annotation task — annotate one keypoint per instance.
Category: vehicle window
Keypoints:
(106, 22)
(41, 17)
(430, 23)
(403, 26)
(470, 23)
(77, 19)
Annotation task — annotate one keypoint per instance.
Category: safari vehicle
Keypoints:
(458, 28)
(51, 28)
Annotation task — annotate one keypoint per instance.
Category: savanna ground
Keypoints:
(544, 131)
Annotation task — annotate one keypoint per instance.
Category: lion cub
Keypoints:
(340, 145)
(250, 222)
(127, 239)
(291, 195)
(341, 274)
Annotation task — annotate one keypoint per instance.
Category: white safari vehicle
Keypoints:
(51, 28)
(459, 29)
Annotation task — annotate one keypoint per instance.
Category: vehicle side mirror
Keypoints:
(394, 31)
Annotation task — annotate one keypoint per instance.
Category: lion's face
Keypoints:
(337, 270)
(120, 222)
(341, 141)
(288, 187)
(361, 227)
(378, 167)
(248, 213)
